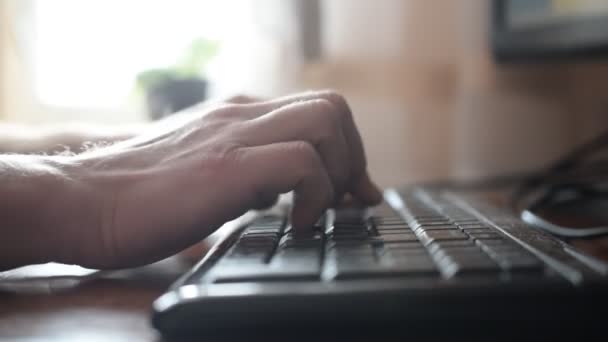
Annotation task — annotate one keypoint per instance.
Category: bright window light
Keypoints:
(87, 53)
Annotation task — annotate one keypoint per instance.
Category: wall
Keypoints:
(388, 65)
(431, 103)
(518, 117)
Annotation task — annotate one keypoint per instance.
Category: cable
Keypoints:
(576, 175)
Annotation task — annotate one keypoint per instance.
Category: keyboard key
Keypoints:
(440, 244)
(360, 250)
(478, 230)
(392, 231)
(285, 271)
(401, 237)
(399, 254)
(295, 263)
(253, 230)
(369, 241)
(259, 237)
(251, 248)
(249, 254)
(408, 265)
(349, 226)
(486, 236)
(493, 242)
(355, 268)
(395, 232)
(403, 249)
(387, 220)
(261, 243)
(459, 251)
(514, 258)
(438, 227)
(419, 224)
(505, 249)
(464, 219)
(452, 266)
(436, 247)
(387, 267)
(350, 216)
(472, 225)
(434, 221)
(438, 220)
(434, 235)
(522, 264)
(404, 245)
(268, 221)
(393, 227)
(349, 236)
(289, 240)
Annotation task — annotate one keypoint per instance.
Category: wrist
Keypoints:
(43, 207)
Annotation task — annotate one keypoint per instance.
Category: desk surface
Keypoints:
(113, 307)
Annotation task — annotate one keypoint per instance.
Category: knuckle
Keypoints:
(332, 95)
(336, 99)
(324, 103)
(240, 99)
(322, 107)
(306, 157)
(326, 118)
(219, 112)
(222, 160)
(224, 111)
(304, 149)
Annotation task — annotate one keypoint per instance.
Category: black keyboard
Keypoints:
(442, 241)
(422, 259)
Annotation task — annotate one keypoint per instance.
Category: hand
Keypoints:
(194, 253)
(151, 196)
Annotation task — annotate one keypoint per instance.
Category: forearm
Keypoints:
(38, 207)
(53, 139)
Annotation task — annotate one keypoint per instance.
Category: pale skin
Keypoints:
(150, 196)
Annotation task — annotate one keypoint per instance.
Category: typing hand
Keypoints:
(151, 196)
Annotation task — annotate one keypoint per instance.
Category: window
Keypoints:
(86, 54)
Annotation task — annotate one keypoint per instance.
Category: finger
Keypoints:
(359, 182)
(266, 202)
(282, 167)
(253, 110)
(242, 99)
(313, 121)
(366, 191)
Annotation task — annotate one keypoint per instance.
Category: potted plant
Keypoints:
(171, 89)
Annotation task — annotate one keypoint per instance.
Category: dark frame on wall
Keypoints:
(577, 38)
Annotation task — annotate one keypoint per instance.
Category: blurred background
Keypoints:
(427, 96)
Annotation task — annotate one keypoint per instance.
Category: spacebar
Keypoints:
(277, 270)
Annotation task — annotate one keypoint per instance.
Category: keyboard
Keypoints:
(351, 243)
(418, 241)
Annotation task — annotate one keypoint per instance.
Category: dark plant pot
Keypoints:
(172, 96)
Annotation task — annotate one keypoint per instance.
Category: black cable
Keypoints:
(571, 169)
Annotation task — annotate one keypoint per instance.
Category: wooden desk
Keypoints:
(112, 307)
